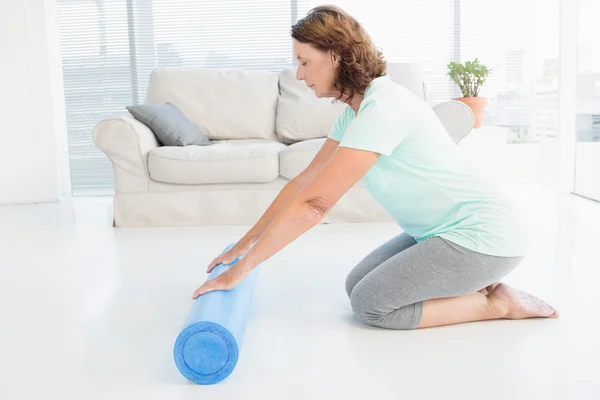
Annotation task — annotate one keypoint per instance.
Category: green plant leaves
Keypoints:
(470, 76)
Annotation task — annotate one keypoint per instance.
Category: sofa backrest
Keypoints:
(225, 103)
(228, 103)
(300, 114)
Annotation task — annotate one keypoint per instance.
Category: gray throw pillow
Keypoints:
(170, 126)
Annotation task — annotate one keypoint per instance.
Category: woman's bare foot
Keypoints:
(511, 303)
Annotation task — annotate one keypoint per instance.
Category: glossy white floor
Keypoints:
(90, 312)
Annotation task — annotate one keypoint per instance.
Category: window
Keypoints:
(109, 48)
(587, 149)
(97, 69)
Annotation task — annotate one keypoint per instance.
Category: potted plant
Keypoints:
(470, 77)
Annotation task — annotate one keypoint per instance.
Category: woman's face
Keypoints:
(316, 68)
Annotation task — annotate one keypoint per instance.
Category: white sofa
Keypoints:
(265, 129)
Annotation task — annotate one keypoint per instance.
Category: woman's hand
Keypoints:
(238, 250)
(227, 280)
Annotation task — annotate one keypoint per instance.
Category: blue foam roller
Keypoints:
(207, 348)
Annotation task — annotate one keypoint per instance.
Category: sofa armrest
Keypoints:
(127, 142)
(457, 118)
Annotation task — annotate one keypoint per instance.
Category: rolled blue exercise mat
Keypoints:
(208, 346)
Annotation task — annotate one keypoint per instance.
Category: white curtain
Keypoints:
(109, 48)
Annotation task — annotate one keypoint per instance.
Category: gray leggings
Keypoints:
(388, 287)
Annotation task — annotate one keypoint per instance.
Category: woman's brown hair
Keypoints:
(331, 28)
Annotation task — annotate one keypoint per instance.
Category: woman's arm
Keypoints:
(293, 187)
(283, 197)
(310, 206)
(305, 210)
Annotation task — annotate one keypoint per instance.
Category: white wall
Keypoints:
(588, 165)
(31, 103)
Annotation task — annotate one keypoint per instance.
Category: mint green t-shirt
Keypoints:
(423, 180)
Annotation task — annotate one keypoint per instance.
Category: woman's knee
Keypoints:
(369, 311)
(362, 308)
(362, 269)
(352, 280)
(375, 258)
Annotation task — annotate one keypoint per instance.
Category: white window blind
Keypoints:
(109, 48)
(498, 33)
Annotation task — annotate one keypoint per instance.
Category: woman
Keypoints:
(461, 232)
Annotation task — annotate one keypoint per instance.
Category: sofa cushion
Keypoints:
(303, 116)
(295, 158)
(227, 161)
(300, 114)
(226, 103)
(168, 124)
